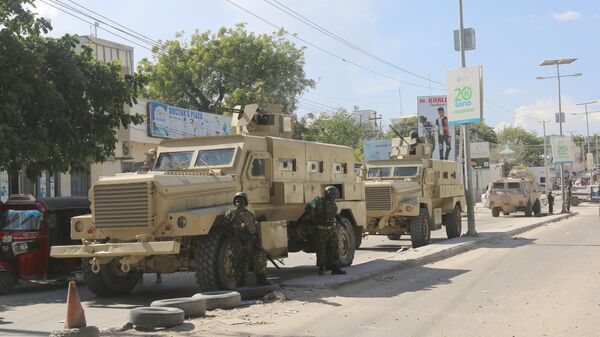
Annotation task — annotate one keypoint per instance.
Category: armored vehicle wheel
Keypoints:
(495, 212)
(346, 241)
(215, 262)
(453, 223)
(7, 282)
(537, 207)
(528, 209)
(110, 280)
(575, 201)
(394, 237)
(420, 230)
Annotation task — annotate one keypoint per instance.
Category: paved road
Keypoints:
(46, 303)
(542, 283)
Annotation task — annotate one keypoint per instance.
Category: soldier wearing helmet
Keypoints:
(326, 238)
(240, 219)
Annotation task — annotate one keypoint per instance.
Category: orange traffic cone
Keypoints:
(75, 315)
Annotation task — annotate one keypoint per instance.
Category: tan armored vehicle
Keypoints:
(515, 193)
(169, 219)
(413, 194)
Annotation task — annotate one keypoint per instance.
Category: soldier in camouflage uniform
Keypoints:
(240, 219)
(326, 238)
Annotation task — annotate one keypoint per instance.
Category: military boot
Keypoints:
(261, 280)
(336, 270)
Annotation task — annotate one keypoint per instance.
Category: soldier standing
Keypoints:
(550, 202)
(326, 240)
(569, 195)
(242, 225)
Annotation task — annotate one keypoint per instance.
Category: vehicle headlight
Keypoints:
(181, 222)
(20, 247)
(78, 226)
(409, 208)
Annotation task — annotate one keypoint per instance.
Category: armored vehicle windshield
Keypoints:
(393, 171)
(180, 160)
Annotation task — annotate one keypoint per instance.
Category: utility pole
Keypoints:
(375, 119)
(545, 153)
(467, 137)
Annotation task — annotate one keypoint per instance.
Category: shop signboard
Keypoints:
(562, 151)
(480, 155)
(165, 121)
(433, 126)
(379, 149)
(465, 95)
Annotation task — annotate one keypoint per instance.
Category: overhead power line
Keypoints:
(340, 58)
(287, 10)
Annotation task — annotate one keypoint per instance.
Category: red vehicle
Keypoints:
(28, 227)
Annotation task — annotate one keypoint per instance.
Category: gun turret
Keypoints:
(253, 120)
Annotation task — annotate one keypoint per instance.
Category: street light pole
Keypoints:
(587, 122)
(467, 138)
(560, 117)
(545, 153)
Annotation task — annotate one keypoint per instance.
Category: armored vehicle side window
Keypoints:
(375, 172)
(314, 166)
(513, 186)
(287, 164)
(217, 157)
(340, 168)
(498, 186)
(173, 160)
(405, 171)
(258, 168)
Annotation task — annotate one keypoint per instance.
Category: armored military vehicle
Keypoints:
(413, 194)
(517, 192)
(169, 219)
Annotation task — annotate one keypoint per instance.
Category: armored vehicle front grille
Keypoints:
(123, 205)
(379, 198)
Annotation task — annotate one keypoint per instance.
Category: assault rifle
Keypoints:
(246, 236)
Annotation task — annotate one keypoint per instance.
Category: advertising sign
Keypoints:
(465, 95)
(433, 126)
(167, 121)
(561, 149)
(480, 155)
(377, 149)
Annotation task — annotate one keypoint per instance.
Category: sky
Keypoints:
(513, 38)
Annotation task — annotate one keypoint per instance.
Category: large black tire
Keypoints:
(537, 207)
(528, 209)
(7, 282)
(214, 262)
(453, 223)
(346, 241)
(575, 201)
(220, 299)
(420, 229)
(358, 236)
(192, 307)
(394, 237)
(110, 280)
(495, 212)
(156, 317)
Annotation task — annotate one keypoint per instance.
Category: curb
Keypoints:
(422, 260)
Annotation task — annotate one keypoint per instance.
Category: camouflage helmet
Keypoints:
(242, 195)
(332, 193)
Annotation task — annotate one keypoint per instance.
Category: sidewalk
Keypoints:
(422, 255)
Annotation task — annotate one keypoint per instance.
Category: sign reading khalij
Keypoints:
(465, 95)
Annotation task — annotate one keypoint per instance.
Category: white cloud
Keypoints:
(512, 91)
(44, 10)
(567, 16)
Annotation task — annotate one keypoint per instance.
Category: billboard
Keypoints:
(433, 126)
(465, 100)
(167, 121)
(562, 150)
(480, 155)
(377, 149)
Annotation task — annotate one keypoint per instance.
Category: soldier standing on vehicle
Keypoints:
(239, 220)
(550, 202)
(326, 239)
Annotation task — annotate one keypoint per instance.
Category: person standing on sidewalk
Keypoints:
(569, 194)
(326, 238)
(550, 202)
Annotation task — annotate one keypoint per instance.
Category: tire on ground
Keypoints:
(394, 237)
(7, 282)
(575, 201)
(88, 331)
(254, 292)
(220, 299)
(453, 223)
(110, 280)
(346, 241)
(537, 207)
(495, 212)
(420, 229)
(192, 307)
(156, 317)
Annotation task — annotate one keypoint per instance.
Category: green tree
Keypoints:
(404, 127)
(59, 110)
(481, 132)
(528, 146)
(227, 68)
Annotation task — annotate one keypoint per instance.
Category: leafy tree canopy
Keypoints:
(226, 68)
(481, 132)
(59, 110)
(528, 146)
